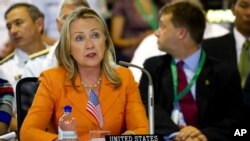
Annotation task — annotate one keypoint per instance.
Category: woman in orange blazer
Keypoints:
(86, 63)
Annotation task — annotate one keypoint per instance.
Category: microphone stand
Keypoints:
(150, 95)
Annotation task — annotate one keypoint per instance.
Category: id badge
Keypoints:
(181, 121)
(175, 115)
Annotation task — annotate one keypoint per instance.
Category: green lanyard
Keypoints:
(178, 96)
(152, 21)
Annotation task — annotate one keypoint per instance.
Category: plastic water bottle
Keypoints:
(67, 126)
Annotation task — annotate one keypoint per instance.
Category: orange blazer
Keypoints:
(122, 107)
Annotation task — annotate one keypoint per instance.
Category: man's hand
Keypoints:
(190, 133)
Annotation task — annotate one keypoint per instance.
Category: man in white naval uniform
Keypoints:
(49, 9)
(25, 25)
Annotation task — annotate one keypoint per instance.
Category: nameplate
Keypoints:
(134, 138)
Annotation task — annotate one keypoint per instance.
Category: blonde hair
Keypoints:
(65, 59)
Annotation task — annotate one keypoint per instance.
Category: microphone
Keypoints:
(150, 95)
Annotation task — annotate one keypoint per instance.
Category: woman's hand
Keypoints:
(128, 133)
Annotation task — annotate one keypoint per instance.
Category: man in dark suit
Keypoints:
(229, 47)
(214, 94)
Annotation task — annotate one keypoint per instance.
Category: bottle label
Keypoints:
(66, 134)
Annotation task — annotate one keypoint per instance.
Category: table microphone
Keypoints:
(150, 95)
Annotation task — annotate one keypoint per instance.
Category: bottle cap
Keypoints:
(67, 108)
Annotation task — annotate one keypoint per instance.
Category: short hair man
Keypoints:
(190, 88)
(25, 26)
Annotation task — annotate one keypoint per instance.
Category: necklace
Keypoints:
(92, 85)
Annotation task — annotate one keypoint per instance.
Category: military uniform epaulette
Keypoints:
(7, 58)
(40, 53)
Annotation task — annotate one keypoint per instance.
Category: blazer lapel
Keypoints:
(108, 94)
(167, 85)
(164, 82)
(79, 99)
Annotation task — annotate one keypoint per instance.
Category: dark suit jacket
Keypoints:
(222, 48)
(246, 97)
(218, 97)
(246, 93)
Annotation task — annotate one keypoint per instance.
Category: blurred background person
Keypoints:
(101, 7)
(131, 21)
(20, 18)
(6, 105)
(49, 9)
(6, 50)
(87, 68)
(233, 48)
(4, 5)
(25, 25)
(35, 66)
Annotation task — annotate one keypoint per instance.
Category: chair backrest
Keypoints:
(25, 92)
